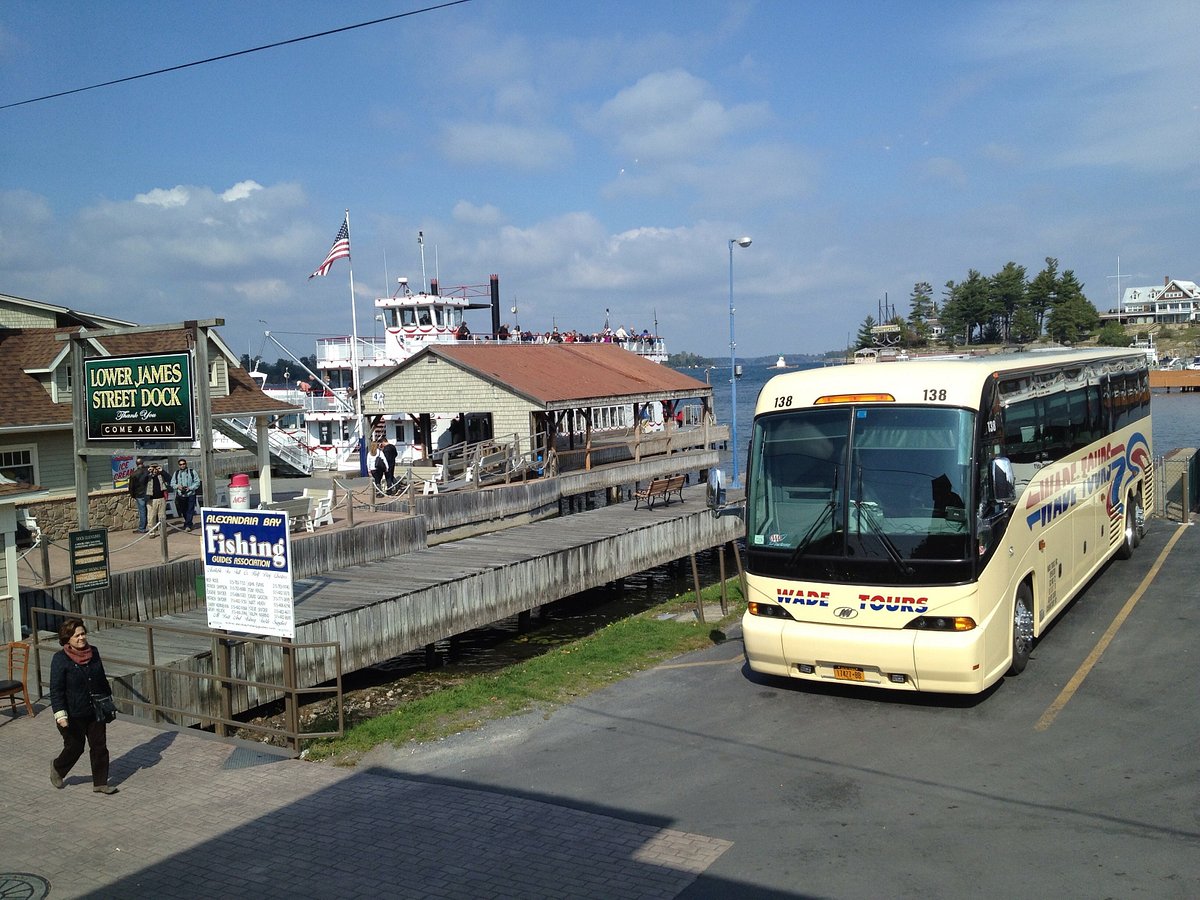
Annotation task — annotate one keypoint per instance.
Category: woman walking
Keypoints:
(76, 673)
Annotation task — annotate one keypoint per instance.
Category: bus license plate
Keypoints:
(848, 673)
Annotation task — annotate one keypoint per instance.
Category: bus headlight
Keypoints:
(942, 623)
(768, 610)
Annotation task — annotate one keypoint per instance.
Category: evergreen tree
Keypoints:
(1006, 291)
(1112, 335)
(1042, 291)
(1025, 329)
(921, 310)
(865, 338)
(952, 321)
(974, 305)
(1073, 317)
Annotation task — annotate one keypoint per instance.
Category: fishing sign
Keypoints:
(247, 571)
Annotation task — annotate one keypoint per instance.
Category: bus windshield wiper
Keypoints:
(826, 513)
(864, 511)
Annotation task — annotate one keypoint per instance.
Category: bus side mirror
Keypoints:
(714, 494)
(1003, 482)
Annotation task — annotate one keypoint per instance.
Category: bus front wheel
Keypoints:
(1022, 641)
(1134, 517)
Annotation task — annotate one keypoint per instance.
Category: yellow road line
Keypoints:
(1065, 695)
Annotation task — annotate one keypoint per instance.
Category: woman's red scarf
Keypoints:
(83, 657)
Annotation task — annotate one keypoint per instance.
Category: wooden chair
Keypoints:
(18, 664)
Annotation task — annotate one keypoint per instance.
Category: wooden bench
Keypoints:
(320, 511)
(298, 511)
(660, 489)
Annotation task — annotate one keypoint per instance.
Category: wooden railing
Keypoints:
(222, 644)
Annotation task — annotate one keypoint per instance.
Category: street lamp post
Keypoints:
(736, 483)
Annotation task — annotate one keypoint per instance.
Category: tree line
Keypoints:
(282, 371)
(1006, 307)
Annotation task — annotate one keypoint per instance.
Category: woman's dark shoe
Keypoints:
(104, 789)
(55, 778)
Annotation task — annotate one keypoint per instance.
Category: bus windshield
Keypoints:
(862, 495)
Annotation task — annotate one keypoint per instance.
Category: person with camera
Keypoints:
(82, 701)
(185, 482)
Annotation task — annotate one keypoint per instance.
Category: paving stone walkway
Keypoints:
(197, 817)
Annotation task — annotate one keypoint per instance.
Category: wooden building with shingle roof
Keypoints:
(36, 439)
(543, 394)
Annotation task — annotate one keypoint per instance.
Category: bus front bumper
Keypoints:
(896, 659)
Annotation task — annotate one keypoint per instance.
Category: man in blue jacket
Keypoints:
(186, 484)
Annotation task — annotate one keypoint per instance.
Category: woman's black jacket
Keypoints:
(72, 685)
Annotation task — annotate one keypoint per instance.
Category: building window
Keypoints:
(18, 465)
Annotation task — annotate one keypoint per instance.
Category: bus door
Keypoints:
(1043, 501)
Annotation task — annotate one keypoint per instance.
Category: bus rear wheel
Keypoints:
(1022, 641)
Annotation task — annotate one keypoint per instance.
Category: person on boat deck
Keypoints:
(502, 334)
(463, 332)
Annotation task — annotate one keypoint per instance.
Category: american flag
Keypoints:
(339, 250)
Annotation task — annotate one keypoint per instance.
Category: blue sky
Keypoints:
(593, 155)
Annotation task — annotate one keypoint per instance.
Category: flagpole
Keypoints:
(362, 432)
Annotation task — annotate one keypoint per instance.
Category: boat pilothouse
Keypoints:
(414, 320)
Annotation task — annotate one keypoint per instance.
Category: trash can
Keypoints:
(239, 492)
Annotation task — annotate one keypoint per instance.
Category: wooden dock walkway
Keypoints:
(1183, 379)
(382, 609)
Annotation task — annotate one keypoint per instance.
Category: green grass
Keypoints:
(557, 677)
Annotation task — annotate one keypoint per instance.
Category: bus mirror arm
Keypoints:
(1003, 482)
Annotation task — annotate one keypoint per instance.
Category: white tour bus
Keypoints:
(916, 526)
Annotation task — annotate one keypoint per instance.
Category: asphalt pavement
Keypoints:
(696, 779)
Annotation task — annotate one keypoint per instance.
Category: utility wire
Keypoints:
(211, 59)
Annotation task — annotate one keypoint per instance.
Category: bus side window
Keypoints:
(1022, 432)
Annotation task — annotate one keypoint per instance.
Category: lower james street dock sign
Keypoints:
(139, 397)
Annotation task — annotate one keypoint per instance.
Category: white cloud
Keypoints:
(164, 251)
(241, 191)
(522, 147)
(166, 198)
(471, 214)
(670, 116)
(1099, 95)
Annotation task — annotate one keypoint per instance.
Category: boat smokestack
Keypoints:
(495, 282)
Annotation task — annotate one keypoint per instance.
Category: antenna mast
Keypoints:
(424, 280)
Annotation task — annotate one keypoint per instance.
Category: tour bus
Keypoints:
(917, 526)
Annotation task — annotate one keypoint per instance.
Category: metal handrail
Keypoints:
(222, 642)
